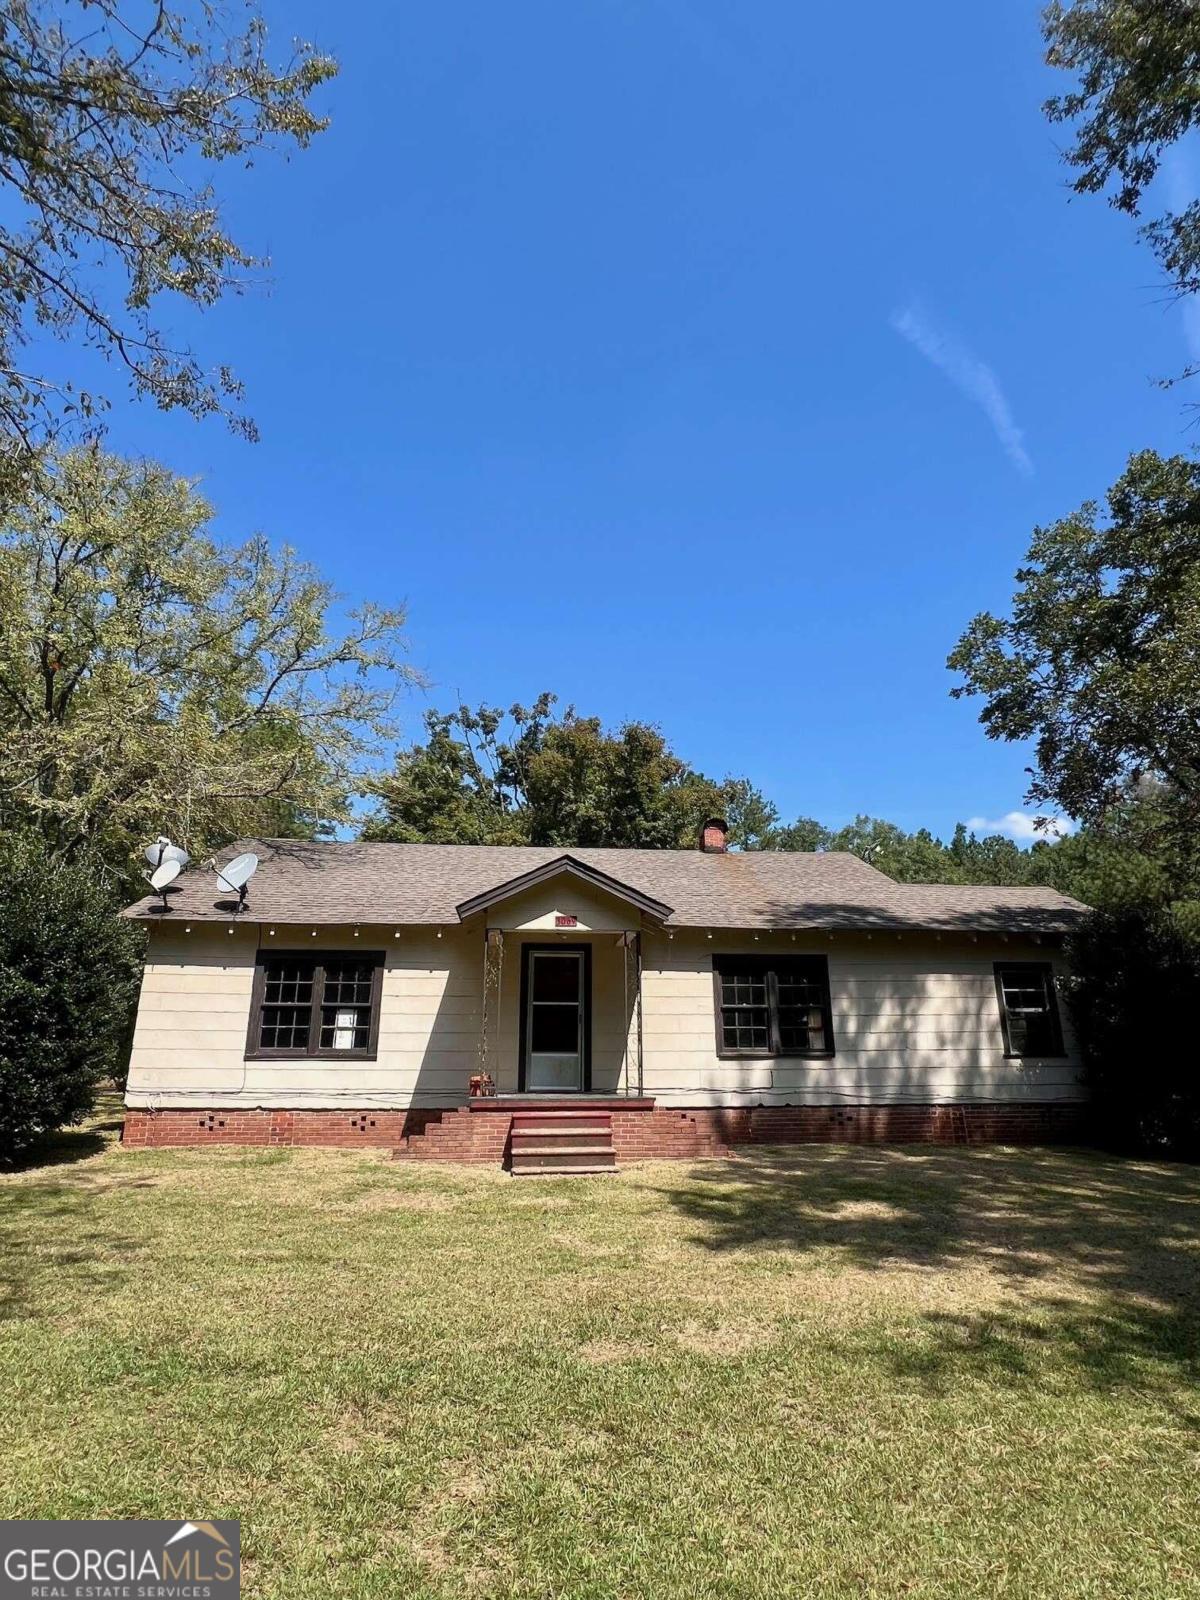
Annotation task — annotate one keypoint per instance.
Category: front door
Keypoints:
(555, 1021)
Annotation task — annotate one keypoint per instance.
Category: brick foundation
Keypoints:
(648, 1132)
(723, 1128)
(347, 1128)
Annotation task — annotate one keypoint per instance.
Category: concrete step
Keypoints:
(550, 1119)
(547, 1138)
(560, 1130)
(561, 1172)
(524, 1153)
(576, 1147)
(573, 1158)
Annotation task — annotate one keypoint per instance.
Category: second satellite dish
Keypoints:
(234, 877)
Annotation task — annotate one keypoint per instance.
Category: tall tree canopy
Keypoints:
(1099, 665)
(530, 776)
(921, 857)
(110, 112)
(1099, 661)
(1137, 63)
(155, 680)
(534, 777)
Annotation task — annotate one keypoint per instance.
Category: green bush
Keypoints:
(68, 987)
(1135, 996)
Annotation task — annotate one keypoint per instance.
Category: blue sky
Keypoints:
(706, 364)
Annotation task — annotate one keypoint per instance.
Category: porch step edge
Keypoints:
(560, 1172)
(544, 1125)
(565, 1150)
(561, 1141)
(544, 1117)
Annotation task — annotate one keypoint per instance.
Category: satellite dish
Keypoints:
(163, 850)
(167, 873)
(162, 877)
(234, 877)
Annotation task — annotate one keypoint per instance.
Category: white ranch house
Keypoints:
(568, 1009)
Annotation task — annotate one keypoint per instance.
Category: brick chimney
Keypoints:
(713, 836)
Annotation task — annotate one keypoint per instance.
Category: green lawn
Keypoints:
(822, 1371)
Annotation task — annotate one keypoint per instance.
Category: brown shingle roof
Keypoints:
(359, 882)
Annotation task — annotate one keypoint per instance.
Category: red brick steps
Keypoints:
(480, 1131)
(546, 1143)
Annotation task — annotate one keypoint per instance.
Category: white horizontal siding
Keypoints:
(914, 1021)
(189, 1045)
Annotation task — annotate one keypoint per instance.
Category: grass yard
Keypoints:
(827, 1372)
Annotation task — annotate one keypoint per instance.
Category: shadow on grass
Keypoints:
(95, 1259)
(63, 1147)
(1119, 1344)
(76, 1244)
(1104, 1254)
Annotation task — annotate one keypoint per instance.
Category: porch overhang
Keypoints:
(564, 866)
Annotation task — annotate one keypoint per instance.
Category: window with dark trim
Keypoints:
(1028, 1008)
(772, 1006)
(316, 1003)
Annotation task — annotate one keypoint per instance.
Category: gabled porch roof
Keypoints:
(563, 866)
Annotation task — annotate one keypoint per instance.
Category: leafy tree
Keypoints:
(805, 834)
(481, 777)
(154, 680)
(1138, 858)
(1134, 995)
(1137, 63)
(921, 857)
(466, 783)
(587, 786)
(996, 859)
(68, 980)
(753, 819)
(1138, 68)
(909, 857)
(538, 778)
(1099, 665)
(109, 110)
(1099, 662)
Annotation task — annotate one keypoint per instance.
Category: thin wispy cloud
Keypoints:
(969, 375)
(1022, 827)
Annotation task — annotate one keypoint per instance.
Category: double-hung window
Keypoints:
(316, 1004)
(1028, 1008)
(772, 1006)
